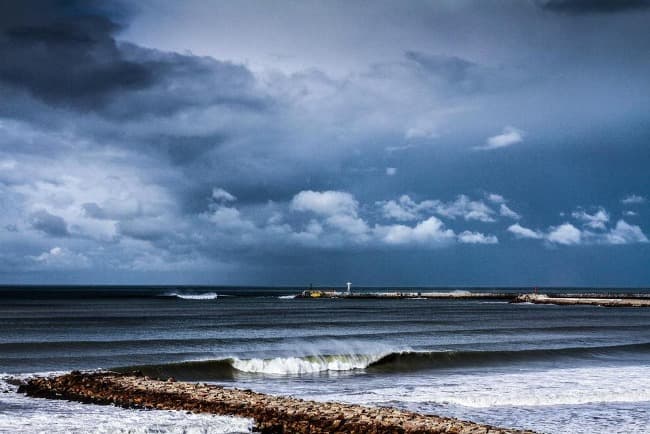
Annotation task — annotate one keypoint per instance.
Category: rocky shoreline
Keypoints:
(272, 414)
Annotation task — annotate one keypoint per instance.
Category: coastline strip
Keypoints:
(315, 294)
(589, 301)
(272, 414)
(567, 299)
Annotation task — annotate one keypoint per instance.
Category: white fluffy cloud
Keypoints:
(505, 211)
(565, 233)
(339, 211)
(597, 220)
(397, 211)
(508, 137)
(522, 232)
(468, 237)
(496, 198)
(465, 208)
(336, 221)
(221, 195)
(229, 218)
(226, 217)
(625, 233)
(348, 223)
(430, 231)
(339, 208)
(406, 209)
(325, 202)
(633, 199)
(568, 234)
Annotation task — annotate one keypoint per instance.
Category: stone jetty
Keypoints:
(272, 414)
(583, 300)
(560, 298)
(388, 295)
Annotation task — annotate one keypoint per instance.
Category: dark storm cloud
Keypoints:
(65, 53)
(183, 150)
(146, 230)
(50, 224)
(592, 6)
(182, 82)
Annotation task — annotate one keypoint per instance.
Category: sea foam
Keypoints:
(19, 413)
(565, 386)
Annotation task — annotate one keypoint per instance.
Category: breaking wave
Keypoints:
(230, 367)
(203, 296)
(306, 365)
(388, 362)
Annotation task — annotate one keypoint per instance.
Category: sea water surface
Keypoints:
(568, 369)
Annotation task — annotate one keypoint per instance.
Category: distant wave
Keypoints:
(287, 297)
(389, 362)
(203, 296)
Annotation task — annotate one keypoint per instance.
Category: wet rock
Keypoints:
(272, 414)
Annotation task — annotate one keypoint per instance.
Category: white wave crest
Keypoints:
(204, 296)
(287, 297)
(306, 365)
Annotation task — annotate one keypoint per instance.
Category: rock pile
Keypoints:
(272, 414)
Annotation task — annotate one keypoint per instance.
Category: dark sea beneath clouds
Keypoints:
(570, 369)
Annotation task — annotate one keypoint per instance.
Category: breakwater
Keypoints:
(462, 295)
(272, 414)
(586, 298)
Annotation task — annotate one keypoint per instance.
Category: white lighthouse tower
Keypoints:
(349, 286)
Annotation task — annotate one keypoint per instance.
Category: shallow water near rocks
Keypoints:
(19, 413)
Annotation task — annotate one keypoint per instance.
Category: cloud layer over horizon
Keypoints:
(158, 144)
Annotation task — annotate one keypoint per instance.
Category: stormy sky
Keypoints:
(448, 142)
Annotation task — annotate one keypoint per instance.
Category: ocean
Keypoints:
(553, 369)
